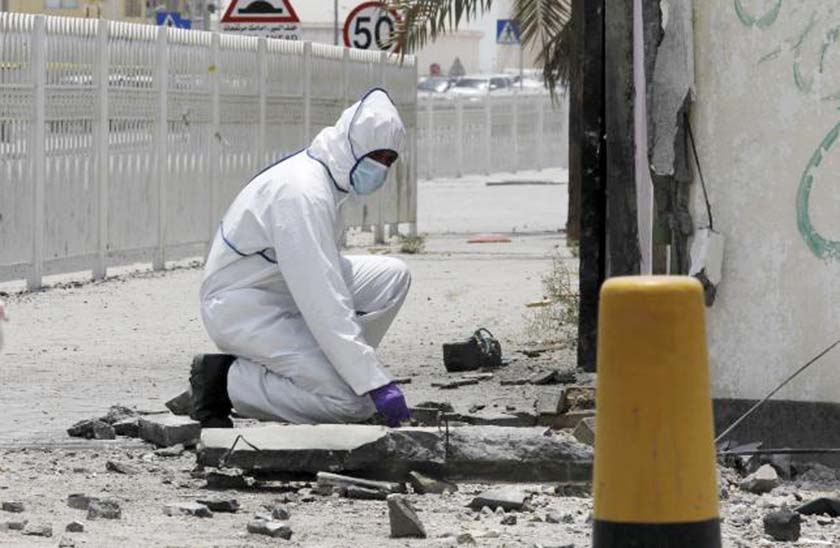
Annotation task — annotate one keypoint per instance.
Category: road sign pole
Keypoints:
(335, 23)
(521, 65)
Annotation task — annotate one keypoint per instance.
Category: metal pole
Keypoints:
(335, 23)
(521, 65)
(38, 158)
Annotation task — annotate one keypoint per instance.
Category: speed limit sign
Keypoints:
(369, 26)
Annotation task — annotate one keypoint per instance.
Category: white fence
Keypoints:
(124, 143)
(491, 133)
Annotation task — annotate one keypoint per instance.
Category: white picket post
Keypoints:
(488, 135)
(459, 135)
(430, 136)
(39, 150)
(101, 148)
(161, 142)
(345, 77)
(515, 131)
(307, 92)
(214, 144)
(540, 129)
(262, 85)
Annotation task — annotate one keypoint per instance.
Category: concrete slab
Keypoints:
(485, 452)
(165, 430)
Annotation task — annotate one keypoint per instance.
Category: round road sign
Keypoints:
(369, 26)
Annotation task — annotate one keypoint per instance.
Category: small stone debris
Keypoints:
(553, 517)
(174, 451)
(585, 431)
(580, 490)
(457, 383)
(34, 530)
(66, 542)
(187, 509)
(465, 538)
(477, 376)
(569, 419)
(166, 430)
(403, 518)
(223, 505)
(127, 427)
(783, 525)
(424, 485)
(508, 498)
(443, 407)
(827, 506)
(402, 380)
(79, 501)
(121, 468)
(104, 509)
(337, 480)
(275, 529)
(16, 525)
(362, 493)
(118, 413)
(226, 478)
(75, 527)
(274, 512)
(509, 519)
(763, 480)
(14, 506)
(103, 431)
(181, 404)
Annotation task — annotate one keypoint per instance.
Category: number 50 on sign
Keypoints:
(369, 26)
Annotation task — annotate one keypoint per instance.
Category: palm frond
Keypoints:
(421, 21)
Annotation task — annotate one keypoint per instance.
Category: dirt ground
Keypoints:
(76, 349)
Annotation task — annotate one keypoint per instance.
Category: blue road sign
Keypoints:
(172, 19)
(507, 32)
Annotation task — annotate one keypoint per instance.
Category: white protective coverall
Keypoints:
(302, 320)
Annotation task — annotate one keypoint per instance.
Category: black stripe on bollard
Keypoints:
(700, 534)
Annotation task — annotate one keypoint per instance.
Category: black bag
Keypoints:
(480, 351)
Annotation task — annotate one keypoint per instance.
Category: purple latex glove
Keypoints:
(390, 403)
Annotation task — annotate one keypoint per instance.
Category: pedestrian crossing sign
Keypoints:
(507, 32)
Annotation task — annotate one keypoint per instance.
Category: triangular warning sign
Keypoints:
(260, 11)
(170, 21)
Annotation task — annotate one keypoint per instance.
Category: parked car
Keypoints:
(482, 84)
(435, 84)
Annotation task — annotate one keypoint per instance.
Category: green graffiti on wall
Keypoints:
(819, 245)
(761, 21)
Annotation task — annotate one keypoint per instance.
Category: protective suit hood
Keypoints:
(370, 124)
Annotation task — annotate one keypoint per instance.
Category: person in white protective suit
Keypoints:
(299, 323)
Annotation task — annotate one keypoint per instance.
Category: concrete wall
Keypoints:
(767, 118)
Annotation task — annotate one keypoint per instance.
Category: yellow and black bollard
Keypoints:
(654, 479)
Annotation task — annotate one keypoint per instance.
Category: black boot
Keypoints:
(210, 401)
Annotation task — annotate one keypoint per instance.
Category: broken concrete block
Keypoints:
(451, 385)
(585, 431)
(118, 413)
(15, 507)
(425, 416)
(401, 380)
(181, 404)
(187, 509)
(75, 527)
(509, 519)
(82, 429)
(507, 498)
(477, 376)
(763, 480)
(278, 513)
(362, 493)
(783, 525)
(15, 525)
(424, 485)
(174, 451)
(494, 419)
(579, 398)
(66, 542)
(127, 427)
(487, 452)
(104, 509)
(553, 517)
(569, 419)
(274, 529)
(103, 431)
(387, 487)
(79, 501)
(551, 402)
(224, 505)
(38, 530)
(465, 538)
(404, 520)
(580, 490)
(165, 430)
(443, 407)
(226, 478)
(121, 468)
(825, 506)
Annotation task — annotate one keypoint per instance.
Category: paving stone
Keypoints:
(223, 505)
(403, 518)
(79, 501)
(127, 427)
(66, 542)
(121, 468)
(165, 430)
(104, 509)
(75, 527)
(424, 485)
(14, 525)
(550, 402)
(763, 480)
(827, 506)
(509, 519)
(187, 509)
(783, 525)
(486, 452)
(226, 478)
(13, 506)
(387, 487)
(585, 431)
(508, 498)
(274, 529)
(34, 530)
(174, 451)
(181, 404)
(103, 431)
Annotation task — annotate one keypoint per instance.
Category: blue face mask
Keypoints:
(368, 176)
